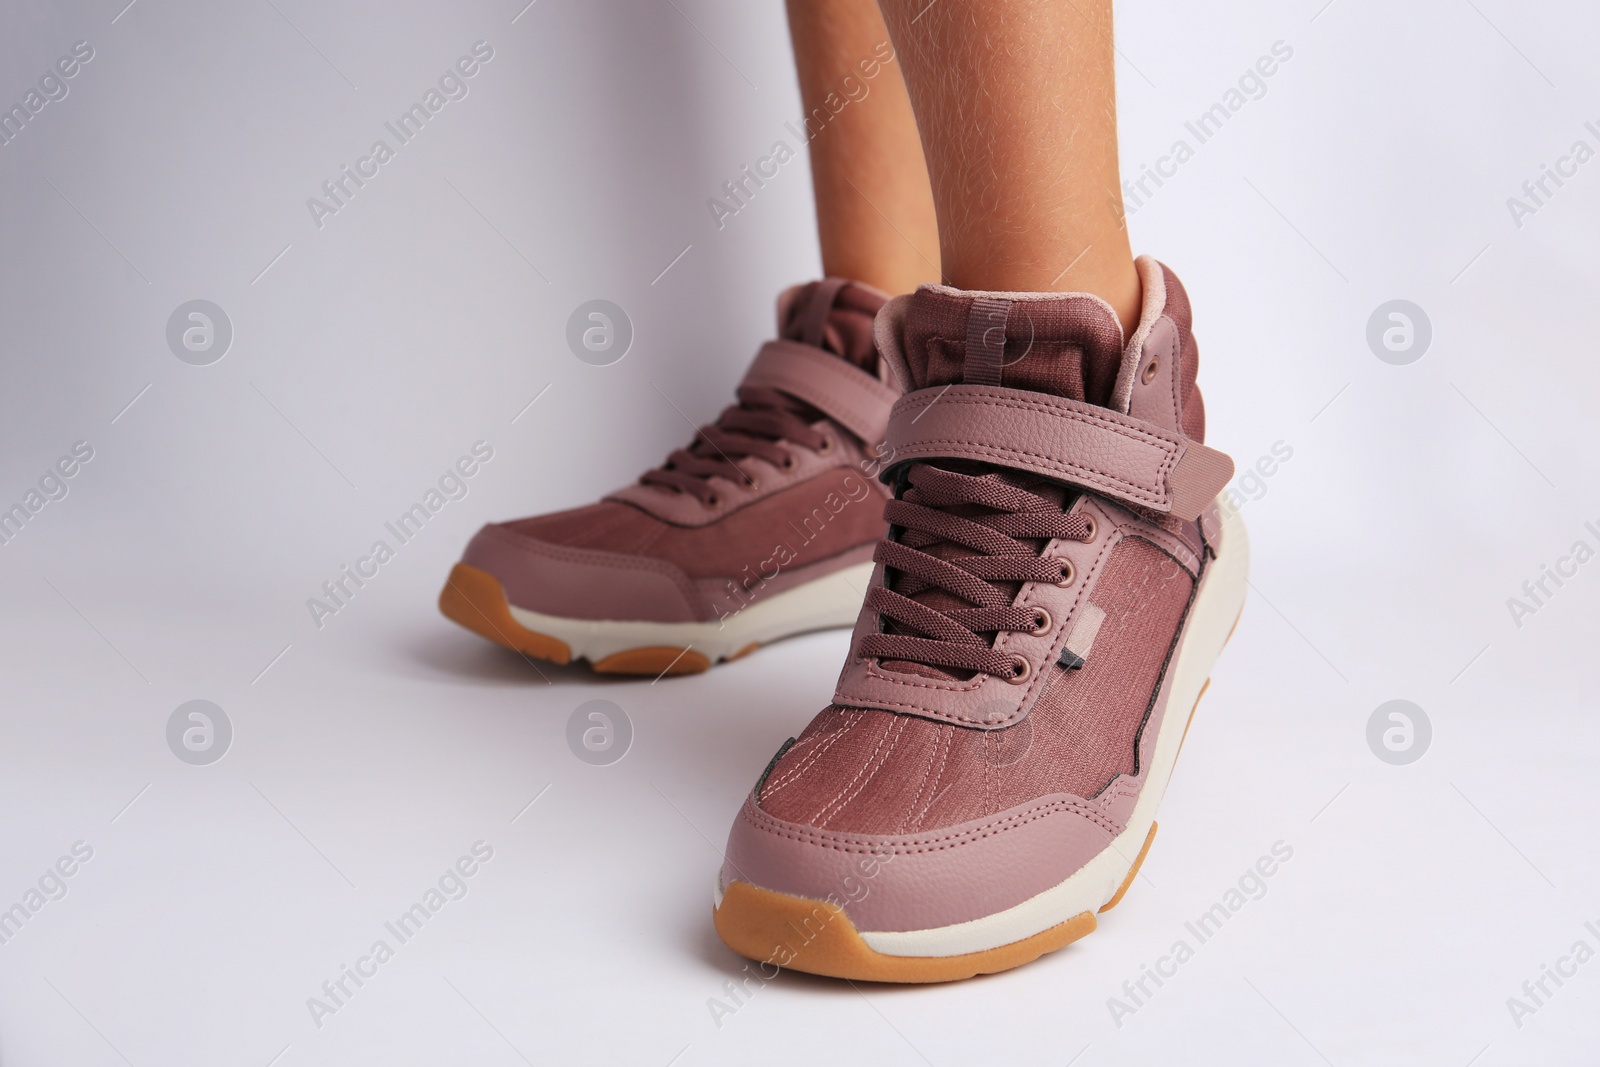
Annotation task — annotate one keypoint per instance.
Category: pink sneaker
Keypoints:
(762, 528)
(1057, 581)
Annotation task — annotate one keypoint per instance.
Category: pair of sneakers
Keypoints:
(1024, 496)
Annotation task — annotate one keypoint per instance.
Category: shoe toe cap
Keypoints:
(581, 583)
(925, 880)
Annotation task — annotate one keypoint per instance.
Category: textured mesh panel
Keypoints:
(1070, 347)
(849, 761)
(1086, 721)
(608, 526)
(860, 771)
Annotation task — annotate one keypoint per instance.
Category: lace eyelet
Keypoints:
(1042, 623)
(788, 463)
(1149, 374)
(1094, 528)
(1069, 573)
(1023, 670)
(826, 446)
(713, 500)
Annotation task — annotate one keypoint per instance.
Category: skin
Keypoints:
(875, 216)
(1014, 104)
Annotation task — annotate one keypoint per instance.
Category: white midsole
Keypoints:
(822, 603)
(1216, 607)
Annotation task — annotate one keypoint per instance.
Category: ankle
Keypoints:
(1124, 291)
(882, 273)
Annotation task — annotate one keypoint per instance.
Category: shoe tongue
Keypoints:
(834, 314)
(1068, 345)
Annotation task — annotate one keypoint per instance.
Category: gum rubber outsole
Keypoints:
(817, 937)
(475, 599)
(654, 660)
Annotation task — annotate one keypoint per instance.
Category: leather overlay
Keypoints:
(583, 583)
(843, 392)
(922, 880)
(1116, 455)
(1158, 400)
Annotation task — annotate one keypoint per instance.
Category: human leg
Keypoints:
(1016, 102)
(875, 217)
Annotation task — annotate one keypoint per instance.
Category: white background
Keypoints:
(427, 314)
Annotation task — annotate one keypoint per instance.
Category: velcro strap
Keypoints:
(1106, 451)
(839, 389)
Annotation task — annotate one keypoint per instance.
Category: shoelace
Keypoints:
(760, 425)
(946, 510)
